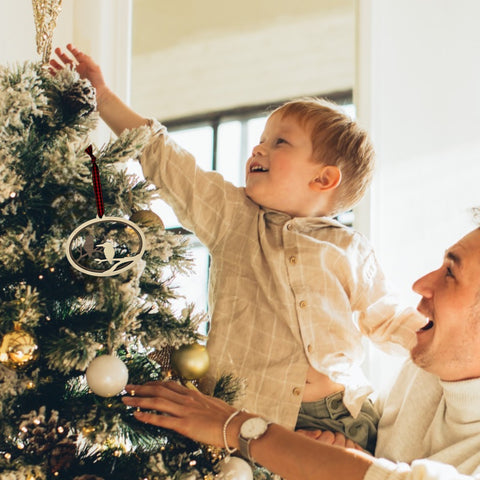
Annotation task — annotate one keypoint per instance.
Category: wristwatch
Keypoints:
(251, 429)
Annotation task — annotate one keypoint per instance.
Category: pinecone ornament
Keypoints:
(49, 438)
(78, 100)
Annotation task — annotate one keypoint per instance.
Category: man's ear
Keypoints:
(327, 178)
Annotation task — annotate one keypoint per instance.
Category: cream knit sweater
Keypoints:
(429, 429)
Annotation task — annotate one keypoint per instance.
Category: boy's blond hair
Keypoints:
(336, 140)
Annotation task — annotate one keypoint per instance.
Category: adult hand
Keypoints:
(330, 438)
(188, 412)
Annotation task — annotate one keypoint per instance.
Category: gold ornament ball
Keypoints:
(191, 362)
(147, 218)
(19, 349)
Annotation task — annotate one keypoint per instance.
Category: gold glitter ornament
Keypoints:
(147, 218)
(45, 13)
(190, 362)
(19, 349)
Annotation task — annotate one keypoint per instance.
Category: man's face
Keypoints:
(449, 345)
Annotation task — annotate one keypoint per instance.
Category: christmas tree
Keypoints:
(86, 273)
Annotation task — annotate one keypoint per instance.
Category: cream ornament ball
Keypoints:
(107, 375)
(235, 468)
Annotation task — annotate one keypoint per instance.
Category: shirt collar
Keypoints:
(462, 399)
(303, 223)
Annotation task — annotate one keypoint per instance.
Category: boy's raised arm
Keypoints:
(116, 114)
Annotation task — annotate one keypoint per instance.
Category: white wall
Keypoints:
(197, 60)
(17, 30)
(418, 93)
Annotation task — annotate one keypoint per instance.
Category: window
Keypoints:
(221, 142)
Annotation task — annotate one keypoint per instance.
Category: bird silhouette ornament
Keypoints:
(104, 246)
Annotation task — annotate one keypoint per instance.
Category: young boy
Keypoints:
(285, 278)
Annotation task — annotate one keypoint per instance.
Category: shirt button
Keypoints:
(303, 304)
(293, 260)
(289, 226)
(310, 348)
(297, 391)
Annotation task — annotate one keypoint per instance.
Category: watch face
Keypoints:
(253, 427)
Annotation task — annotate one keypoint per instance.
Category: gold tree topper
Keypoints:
(45, 13)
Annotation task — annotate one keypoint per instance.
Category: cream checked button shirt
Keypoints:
(283, 291)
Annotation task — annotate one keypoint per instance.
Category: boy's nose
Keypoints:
(258, 150)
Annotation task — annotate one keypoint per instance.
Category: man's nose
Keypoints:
(424, 286)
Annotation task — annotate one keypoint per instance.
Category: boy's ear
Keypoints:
(327, 178)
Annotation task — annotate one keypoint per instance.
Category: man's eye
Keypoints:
(281, 140)
(449, 273)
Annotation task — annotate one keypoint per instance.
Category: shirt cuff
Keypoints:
(382, 469)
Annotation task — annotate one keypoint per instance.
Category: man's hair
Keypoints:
(336, 140)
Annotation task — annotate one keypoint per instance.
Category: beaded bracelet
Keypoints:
(225, 425)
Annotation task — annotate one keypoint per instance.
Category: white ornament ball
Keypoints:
(107, 375)
(235, 468)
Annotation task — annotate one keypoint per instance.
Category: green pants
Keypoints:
(331, 414)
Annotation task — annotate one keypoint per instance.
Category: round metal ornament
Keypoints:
(106, 246)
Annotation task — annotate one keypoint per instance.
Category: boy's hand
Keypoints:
(83, 64)
(330, 438)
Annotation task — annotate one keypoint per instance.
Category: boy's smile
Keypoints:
(256, 167)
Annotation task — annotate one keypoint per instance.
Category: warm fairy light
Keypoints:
(24, 429)
(8, 456)
(60, 429)
(56, 474)
(40, 277)
(20, 446)
(117, 453)
(13, 194)
(52, 269)
(36, 421)
(192, 463)
(30, 385)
